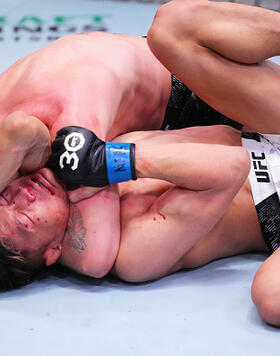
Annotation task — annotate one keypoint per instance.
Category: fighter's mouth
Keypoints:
(44, 186)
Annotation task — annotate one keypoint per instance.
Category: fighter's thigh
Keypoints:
(237, 232)
(248, 94)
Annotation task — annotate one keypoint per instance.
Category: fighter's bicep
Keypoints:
(149, 247)
(92, 236)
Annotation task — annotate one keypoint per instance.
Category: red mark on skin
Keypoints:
(14, 202)
(154, 219)
(164, 217)
(146, 165)
(26, 225)
(106, 196)
(38, 219)
(30, 191)
(46, 221)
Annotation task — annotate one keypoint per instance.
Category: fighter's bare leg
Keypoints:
(266, 290)
(218, 51)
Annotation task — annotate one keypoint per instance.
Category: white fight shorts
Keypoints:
(264, 177)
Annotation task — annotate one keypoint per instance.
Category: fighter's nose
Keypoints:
(27, 191)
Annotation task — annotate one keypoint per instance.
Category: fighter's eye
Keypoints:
(4, 197)
(41, 185)
(3, 200)
(24, 219)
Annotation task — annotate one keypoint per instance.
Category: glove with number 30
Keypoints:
(80, 157)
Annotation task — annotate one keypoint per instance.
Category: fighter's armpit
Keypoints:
(75, 231)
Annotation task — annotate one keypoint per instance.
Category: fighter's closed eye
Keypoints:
(27, 216)
(23, 219)
(3, 199)
(6, 196)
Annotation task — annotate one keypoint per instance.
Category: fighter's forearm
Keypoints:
(193, 166)
(196, 166)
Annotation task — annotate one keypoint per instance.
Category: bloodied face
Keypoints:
(33, 214)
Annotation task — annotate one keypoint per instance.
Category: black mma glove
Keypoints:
(80, 157)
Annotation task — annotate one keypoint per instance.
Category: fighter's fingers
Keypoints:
(82, 193)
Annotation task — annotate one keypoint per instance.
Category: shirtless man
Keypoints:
(195, 203)
(108, 83)
(202, 209)
(215, 48)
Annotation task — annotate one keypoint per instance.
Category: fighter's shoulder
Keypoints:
(96, 37)
(94, 45)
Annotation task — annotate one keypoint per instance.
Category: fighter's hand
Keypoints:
(80, 157)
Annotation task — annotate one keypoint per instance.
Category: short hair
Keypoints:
(15, 270)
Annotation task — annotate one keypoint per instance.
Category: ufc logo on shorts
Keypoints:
(261, 170)
(73, 143)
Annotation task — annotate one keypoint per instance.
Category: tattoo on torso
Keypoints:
(75, 232)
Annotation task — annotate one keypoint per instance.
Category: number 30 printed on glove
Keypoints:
(80, 157)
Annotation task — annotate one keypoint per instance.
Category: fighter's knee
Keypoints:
(175, 21)
(178, 17)
(268, 304)
(269, 310)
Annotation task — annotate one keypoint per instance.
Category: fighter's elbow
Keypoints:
(235, 167)
(89, 265)
(241, 165)
(95, 269)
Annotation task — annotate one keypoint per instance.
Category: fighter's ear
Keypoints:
(52, 254)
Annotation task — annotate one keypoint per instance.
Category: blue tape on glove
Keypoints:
(118, 162)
